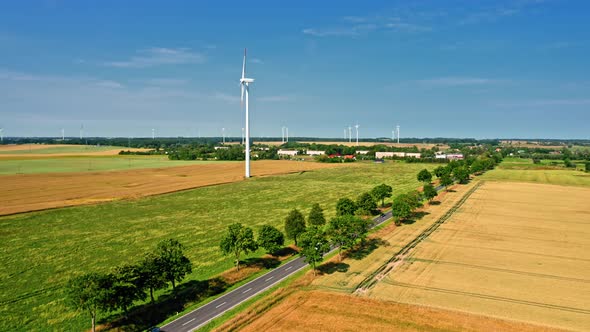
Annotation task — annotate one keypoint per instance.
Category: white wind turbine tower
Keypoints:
(287, 134)
(357, 134)
(345, 134)
(397, 127)
(63, 136)
(245, 85)
(223, 135)
(283, 134)
(81, 131)
(349, 134)
(393, 135)
(1, 135)
(153, 133)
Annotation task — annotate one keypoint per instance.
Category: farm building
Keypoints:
(287, 152)
(362, 151)
(315, 152)
(379, 155)
(221, 147)
(455, 156)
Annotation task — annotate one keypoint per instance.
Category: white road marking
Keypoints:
(247, 290)
(268, 279)
(221, 304)
(188, 322)
(287, 269)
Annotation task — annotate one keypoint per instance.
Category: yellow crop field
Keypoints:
(516, 251)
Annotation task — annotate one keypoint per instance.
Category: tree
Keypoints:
(381, 192)
(440, 171)
(366, 204)
(294, 224)
(149, 275)
(446, 180)
(316, 216)
(238, 240)
(587, 166)
(429, 192)
(126, 288)
(270, 239)
(313, 246)
(345, 206)
(400, 209)
(477, 166)
(172, 262)
(91, 293)
(461, 174)
(341, 232)
(424, 176)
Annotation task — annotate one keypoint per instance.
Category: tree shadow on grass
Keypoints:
(286, 251)
(415, 217)
(331, 267)
(262, 262)
(434, 203)
(144, 316)
(362, 250)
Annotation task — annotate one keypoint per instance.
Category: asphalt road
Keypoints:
(202, 315)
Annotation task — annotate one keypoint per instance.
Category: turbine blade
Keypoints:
(242, 96)
(244, 65)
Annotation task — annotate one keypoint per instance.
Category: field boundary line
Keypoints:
(397, 259)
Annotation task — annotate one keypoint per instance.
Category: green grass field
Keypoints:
(523, 170)
(88, 164)
(65, 149)
(42, 250)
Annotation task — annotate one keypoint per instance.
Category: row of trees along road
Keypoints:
(108, 292)
(240, 240)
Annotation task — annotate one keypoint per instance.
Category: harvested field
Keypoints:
(30, 192)
(324, 311)
(516, 251)
(566, 177)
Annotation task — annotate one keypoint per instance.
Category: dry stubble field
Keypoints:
(516, 251)
(31, 192)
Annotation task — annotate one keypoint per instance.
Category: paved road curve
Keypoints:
(201, 316)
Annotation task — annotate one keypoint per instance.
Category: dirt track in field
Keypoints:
(31, 192)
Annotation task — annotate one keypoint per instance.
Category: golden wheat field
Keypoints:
(30, 192)
(516, 251)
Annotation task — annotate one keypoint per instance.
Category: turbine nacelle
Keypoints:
(246, 80)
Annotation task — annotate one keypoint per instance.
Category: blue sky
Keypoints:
(483, 69)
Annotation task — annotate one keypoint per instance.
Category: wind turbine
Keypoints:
(81, 131)
(397, 127)
(1, 135)
(223, 134)
(345, 134)
(287, 134)
(393, 135)
(63, 137)
(245, 86)
(349, 134)
(357, 134)
(153, 133)
(283, 134)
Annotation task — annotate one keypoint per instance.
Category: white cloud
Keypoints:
(457, 81)
(159, 56)
(232, 99)
(357, 25)
(257, 61)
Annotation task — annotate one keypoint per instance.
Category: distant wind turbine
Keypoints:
(223, 135)
(153, 133)
(63, 136)
(397, 127)
(1, 135)
(245, 86)
(349, 134)
(357, 134)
